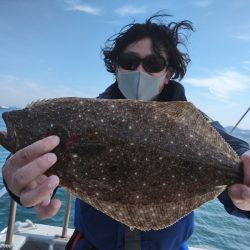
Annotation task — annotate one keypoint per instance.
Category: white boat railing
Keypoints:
(66, 216)
(12, 217)
(11, 222)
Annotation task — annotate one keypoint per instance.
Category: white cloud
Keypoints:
(130, 10)
(202, 3)
(19, 92)
(82, 7)
(241, 32)
(243, 36)
(223, 84)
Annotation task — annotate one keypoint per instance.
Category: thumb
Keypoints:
(240, 196)
(239, 193)
(45, 212)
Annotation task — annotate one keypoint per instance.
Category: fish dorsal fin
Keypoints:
(187, 113)
(66, 100)
(53, 101)
(36, 103)
(218, 139)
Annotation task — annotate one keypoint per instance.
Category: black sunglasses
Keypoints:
(151, 64)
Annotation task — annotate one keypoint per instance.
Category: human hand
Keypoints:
(24, 176)
(240, 193)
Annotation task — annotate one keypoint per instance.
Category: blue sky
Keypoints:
(52, 48)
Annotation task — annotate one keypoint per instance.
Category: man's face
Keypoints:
(143, 49)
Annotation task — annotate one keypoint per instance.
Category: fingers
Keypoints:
(27, 164)
(240, 195)
(42, 193)
(33, 151)
(39, 180)
(22, 177)
(44, 212)
(246, 167)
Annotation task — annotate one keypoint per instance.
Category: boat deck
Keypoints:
(38, 236)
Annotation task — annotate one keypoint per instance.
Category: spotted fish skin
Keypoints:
(145, 164)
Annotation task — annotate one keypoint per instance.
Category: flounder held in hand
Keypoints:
(145, 164)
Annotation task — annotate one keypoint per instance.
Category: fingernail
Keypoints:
(55, 140)
(52, 182)
(51, 157)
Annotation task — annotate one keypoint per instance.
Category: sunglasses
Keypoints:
(151, 64)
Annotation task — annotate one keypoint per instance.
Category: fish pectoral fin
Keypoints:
(63, 134)
(88, 148)
(60, 131)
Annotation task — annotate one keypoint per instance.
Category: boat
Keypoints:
(28, 236)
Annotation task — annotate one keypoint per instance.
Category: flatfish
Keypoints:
(145, 164)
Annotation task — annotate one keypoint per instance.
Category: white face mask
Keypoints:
(139, 85)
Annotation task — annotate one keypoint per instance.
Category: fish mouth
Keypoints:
(3, 139)
(8, 139)
(3, 136)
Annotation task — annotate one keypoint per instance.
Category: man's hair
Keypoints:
(165, 37)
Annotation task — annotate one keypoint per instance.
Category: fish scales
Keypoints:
(145, 164)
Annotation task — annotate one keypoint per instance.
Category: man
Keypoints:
(144, 59)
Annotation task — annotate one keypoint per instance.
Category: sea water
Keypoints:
(214, 228)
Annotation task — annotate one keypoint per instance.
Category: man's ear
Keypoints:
(115, 71)
(169, 75)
